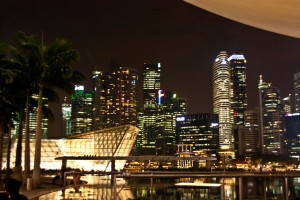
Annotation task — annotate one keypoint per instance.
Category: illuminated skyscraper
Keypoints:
(200, 131)
(151, 85)
(287, 104)
(146, 142)
(81, 110)
(293, 134)
(238, 80)
(99, 99)
(297, 91)
(249, 141)
(115, 98)
(171, 106)
(66, 118)
(33, 120)
(222, 91)
(271, 119)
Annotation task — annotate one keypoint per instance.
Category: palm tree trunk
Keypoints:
(36, 176)
(19, 143)
(27, 142)
(18, 163)
(1, 145)
(8, 170)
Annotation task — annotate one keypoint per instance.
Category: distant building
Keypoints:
(249, 143)
(297, 91)
(33, 119)
(146, 142)
(115, 97)
(157, 118)
(287, 104)
(66, 118)
(170, 107)
(198, 132)
(292, 121)
(222, 92)
(237, 64)
(271, 119)
(99, 99)
(81, 110)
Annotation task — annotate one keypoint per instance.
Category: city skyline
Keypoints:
(182, 37)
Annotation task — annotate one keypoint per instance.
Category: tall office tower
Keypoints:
(151, 85)
(170, 106)
(287, 104)
(33, 119)
(297, 91)
(249, 141)
(238, 80)
(115, 98)
(66, 118)
(271, 119)
(99, 99)
(222, 91)
(201, 131)
(292, 121)
(151, 110)
(121, 97)
(81, 110)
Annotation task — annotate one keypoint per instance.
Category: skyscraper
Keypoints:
(297, 91)
(115, 97)
(222, 91)
(287, 103)
(249, 143)
(201, 131)
(151, 85)
(238, 80)
(99, 99)
(271, 119)
(81, 110)
(170, 107)
(146, 143)
(293, 134)
(66, 118)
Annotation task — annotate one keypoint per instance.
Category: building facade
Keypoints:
(272, 126)
(66, 109)
(249, 144)
(81, 110)
(200, 132)
(151, 110)
(115, 97)
(237, 64)
(222, 92)
(297, 91)
(292, 121)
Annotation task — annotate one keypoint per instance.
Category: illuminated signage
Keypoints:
(214, 124)
(160, 94)
(79, 87)
(180, 119)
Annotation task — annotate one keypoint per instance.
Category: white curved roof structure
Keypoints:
(279, 16)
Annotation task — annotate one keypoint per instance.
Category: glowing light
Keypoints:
(180, 119)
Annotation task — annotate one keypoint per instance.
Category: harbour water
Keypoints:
(100, 187)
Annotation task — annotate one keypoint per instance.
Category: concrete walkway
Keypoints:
(46, 188)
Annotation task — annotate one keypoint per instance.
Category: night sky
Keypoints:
(183, 38)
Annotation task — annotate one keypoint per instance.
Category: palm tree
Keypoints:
(52, 66)
(8, 103)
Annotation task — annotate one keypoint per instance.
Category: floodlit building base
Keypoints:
(117, 141)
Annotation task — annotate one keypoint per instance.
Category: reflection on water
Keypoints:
(247, 188)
